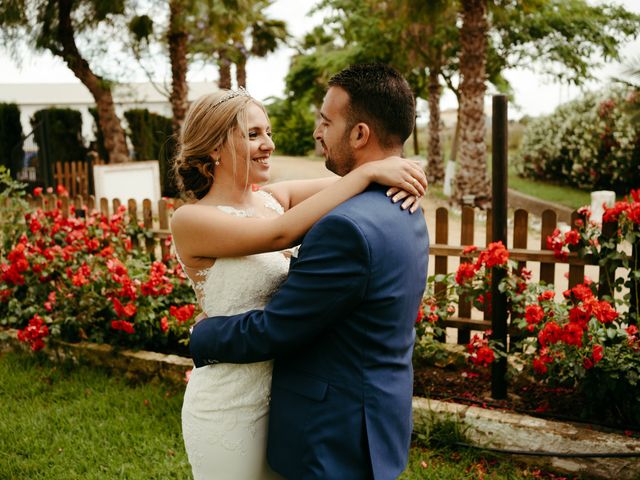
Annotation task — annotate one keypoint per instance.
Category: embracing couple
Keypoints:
(304, 364)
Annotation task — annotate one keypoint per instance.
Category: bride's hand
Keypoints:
(410, 201)
(400, 173)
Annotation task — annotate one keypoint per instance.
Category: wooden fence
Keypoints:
(543, 258)
(442, 249)
(76, 177)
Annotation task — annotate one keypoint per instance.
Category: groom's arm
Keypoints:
(327, 281)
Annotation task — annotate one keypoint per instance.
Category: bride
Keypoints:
(232, 241)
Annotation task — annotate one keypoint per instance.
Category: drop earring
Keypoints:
(217, 162)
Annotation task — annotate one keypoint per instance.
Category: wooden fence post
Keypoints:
(466, 238)
(607, 271)
(163, 214)
(549, 222)
(576, 272)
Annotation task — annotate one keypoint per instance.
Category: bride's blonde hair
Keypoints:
(210, 123)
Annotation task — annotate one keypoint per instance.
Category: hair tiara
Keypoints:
(240, 92)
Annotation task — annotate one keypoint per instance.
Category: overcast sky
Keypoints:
(534, 93)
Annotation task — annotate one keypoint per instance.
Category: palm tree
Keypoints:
(471, 172)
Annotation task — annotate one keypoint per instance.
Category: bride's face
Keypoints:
(259, 144)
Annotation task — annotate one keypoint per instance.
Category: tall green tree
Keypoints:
(231, 31)
(465, 44)
(55, 25)
(566, 36)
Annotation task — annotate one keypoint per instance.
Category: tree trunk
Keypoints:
(436, 162)
(114, 137)
(241, 72)
(455, 142)
(177, 38)
(471, 172)
(224, 68)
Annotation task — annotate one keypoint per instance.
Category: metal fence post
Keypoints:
(499, 315)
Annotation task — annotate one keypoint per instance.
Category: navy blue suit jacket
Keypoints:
(341, 330)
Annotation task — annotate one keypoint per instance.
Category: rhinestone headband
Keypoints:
(240, 92)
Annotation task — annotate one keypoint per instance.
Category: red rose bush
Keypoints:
(86, 278)
(581, 340)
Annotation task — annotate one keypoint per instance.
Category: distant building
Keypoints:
(31, 97)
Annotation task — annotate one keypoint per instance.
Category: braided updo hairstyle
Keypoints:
(207, 127)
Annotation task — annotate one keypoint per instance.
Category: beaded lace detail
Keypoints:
(224, 403)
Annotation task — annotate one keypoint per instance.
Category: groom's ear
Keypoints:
(360, 134)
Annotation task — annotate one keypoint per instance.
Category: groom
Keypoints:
(341, 328)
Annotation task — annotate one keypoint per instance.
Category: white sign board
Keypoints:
(137, 180)
(600, 199)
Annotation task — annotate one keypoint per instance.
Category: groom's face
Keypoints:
(334, 131)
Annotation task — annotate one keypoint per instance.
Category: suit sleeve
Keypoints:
(326, 282)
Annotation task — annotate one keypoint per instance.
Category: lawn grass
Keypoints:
(64, 421)
(551, 192)
(75, 422)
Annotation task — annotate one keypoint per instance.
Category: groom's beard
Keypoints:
(339, 160)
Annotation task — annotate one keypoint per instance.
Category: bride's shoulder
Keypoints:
(189, 214)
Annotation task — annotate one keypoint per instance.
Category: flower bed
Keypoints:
(87, 278)
(587, 341)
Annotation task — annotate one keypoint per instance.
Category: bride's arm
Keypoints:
(292, 192)
(204, 232)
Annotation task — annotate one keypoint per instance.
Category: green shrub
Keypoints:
(58, 134)
(10, 135)
(152, 138)
(293, 122)
(590, 143)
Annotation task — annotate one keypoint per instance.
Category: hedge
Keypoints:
(11, 141)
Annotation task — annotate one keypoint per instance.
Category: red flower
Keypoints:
(580, 292)
(123, 325)
(580, 315)
(587, 363)
(124, 311)
(182, 314)
(495, 254)
(604, 312)
(465, 271)
(550, 333)
(572, 237)
(546, 295)
(597, 354)
(533, 314)
(62, 191)
(420, 315)
(164, 324)
(539, 366)
(480, 352)
(612, 214)
(572, 334)
(469, 249)
(34, 332)
(37, 191)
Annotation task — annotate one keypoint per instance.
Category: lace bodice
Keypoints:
(237, 284)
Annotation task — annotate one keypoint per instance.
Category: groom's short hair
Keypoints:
(381, 98)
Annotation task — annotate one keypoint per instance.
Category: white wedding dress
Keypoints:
(226, 406)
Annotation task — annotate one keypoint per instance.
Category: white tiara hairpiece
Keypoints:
(240, 92)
